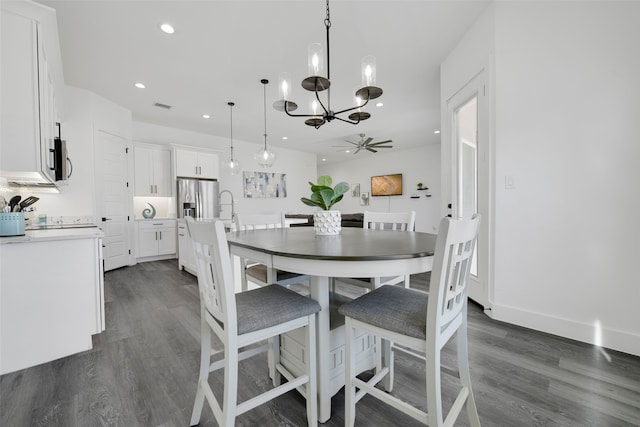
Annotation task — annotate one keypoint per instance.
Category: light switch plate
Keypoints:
(509, 182)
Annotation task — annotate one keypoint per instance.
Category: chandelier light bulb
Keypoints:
(314, 106)
(315, 59)
(368, 71)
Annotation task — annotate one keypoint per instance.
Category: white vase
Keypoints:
(327, 223)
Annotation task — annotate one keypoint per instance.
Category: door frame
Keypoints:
(478, 85)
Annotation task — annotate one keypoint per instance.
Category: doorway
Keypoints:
(112, 198)
(467, 143)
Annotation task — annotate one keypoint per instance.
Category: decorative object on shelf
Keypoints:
(419, 185)
(326, 222)
(316, 83)
(264, 184)
(414, 196)
(232, 165)
(264, 156)
(364, 199)
(149, 213)
(365, 144)
(355, 190)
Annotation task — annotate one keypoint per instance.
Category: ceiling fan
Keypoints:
(366, 144)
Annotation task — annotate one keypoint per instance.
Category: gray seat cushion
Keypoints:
(259, 271)
(269, 306)
(393, 308)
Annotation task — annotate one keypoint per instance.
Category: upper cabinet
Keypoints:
(31, 78)
(196, 164)
(152, 171)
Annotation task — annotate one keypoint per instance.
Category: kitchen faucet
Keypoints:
(233, 212)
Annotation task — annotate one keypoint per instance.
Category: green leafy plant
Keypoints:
(322, 195)
(419, 185)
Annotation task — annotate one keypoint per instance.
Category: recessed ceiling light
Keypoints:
(285, 138)
(324, 160)
(379, 104)
(436, 131)
(140, 85)
(347, 151)
(206, 116)
(167, 28)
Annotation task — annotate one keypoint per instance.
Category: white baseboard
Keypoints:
(627, 342)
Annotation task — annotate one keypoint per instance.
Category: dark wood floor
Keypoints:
(143, 368)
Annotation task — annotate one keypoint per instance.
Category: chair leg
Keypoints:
(312, 387)
(274, 359)
(205, 360)
(350, 369)
(407, 281)
(388, 358)
(465, 376)
(434, 397)
(230, 396)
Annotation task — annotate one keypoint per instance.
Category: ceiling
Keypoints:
(221, 49)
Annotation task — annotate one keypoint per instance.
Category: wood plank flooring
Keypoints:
(143, 369)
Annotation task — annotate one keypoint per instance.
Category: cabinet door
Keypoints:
(167, 241)
(186, 258)
(208, 165)
(148, 241)
(187, 164)
(143, 171)
(162, 173)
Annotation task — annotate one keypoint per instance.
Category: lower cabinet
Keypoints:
(156, 239)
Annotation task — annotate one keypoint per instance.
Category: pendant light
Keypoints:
(232, 165)
(264, 156)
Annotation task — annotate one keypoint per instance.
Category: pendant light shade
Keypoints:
(264, 156)
(232, 165)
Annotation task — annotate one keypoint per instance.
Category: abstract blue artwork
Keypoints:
(264, 184)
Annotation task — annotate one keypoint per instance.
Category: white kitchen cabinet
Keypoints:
(186, 258)
(156, 239)
(52, 288)
(196, 164)
(30, 69)
(152, 171)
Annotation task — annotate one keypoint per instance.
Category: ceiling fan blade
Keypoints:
(368, 141)
(380, 142)
(383, 146)
(359, 148)
(352, 143)
(371, 149)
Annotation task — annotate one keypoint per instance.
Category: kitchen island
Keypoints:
(51, 295)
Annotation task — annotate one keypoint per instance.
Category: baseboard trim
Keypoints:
(623, 341)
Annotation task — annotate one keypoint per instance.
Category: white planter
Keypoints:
(327, 223)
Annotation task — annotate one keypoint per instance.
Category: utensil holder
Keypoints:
(11, 224)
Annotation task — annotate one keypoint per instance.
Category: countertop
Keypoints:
(32, 236)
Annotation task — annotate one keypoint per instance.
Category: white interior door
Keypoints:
(467, 138)
(112, 197)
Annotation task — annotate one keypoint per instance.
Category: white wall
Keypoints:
(300, 167)
(416, 165)
(566, 127)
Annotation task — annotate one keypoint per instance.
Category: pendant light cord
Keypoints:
(231, 104)
(264, 82)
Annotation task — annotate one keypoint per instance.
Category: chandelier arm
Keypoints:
(349, 109)
(320, 101)
(347, 121)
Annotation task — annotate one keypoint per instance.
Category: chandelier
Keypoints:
(232, 165)
(316, 83)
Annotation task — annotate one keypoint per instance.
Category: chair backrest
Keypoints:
(450, 277)
(402, 221)
(215, 277)
(258, 221)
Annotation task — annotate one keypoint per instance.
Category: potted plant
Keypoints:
(327, 221)
(419, 185)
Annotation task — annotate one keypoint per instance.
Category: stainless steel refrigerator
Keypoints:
(198, 198)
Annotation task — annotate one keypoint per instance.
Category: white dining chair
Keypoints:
(243, 319)
(418, 323)
(394, 221)
(255, 271)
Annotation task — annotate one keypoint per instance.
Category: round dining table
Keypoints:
(355, 252)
